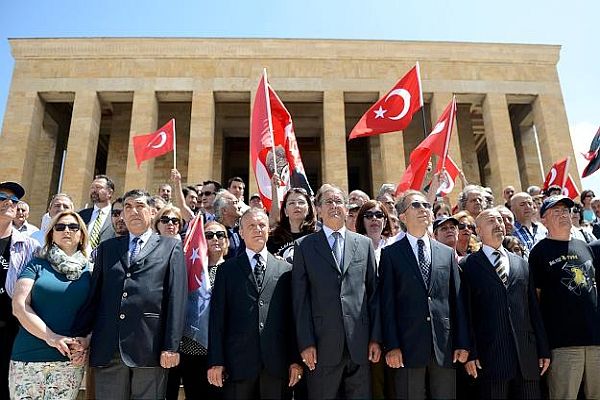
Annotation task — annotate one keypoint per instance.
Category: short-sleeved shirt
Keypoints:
(564, 272)
(56, 300)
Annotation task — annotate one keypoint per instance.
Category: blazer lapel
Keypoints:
(269, 271)
(487, 265)
(322, 247)
(124, 251)
(409, 255)
(246, 268)
(350, 245)
(433, 245)
(514, 270)
(148, 247)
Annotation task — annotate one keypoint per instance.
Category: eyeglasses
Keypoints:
(374, 214)
(165, 220)
(4, 196)
(558, 211)
(219, 234)
(420, 204)
(331, 202)
(207, 193)
(462, 225)
(62, 227)
(116, 213)
(299, 203)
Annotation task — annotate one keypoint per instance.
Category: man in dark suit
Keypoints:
(98, 217)
(426, 327)
(509, 347)
(334, 286)
(136, 307)
(251, 333)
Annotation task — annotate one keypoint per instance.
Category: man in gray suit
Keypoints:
(335, 304)
(98, 217)
(136, 307)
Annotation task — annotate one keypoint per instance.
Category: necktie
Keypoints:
(338, 250)
(95, 235)
(134, 248)
(424, 263)
(499, 267)
(259, 271)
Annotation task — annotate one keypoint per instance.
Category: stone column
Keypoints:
(468, 151)
(21, 130)
(202, 137)
(118, 145)
(501, 149)
(82, 147)
(530, 164)
(376, 164)
(144, 119)
(550, 119)
(333, 146)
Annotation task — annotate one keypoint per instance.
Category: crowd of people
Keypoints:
(336, 295)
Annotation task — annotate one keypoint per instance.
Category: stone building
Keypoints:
(77, 102)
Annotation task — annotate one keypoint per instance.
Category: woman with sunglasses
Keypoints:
(586, 201)
(579, 230)
(167, 221)
(47, 297)
(194, 343)
(373, 222)
(467, 241)
(296, 219)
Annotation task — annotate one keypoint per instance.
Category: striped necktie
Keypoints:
(134, 248)
(95, 235)
(500, 268)
(424, 263)
(338, 250)
(259, 271)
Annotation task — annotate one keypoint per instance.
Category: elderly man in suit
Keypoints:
(251, 331)
(136, 307)
(334, 285)
(509, 346)
(425, 329)
(98, 217)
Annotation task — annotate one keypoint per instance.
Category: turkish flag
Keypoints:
(154, 144)
(273, 141)
(593, 156)
(195, 251)
(557, 174)
(448, 179)
(394, 111)
(570, 190)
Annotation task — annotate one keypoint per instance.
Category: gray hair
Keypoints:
(254, 211)
(464, 195)
(329, 188)
(387, 188)
(220, 203)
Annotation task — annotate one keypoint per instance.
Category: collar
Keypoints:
(489, 250)
(263, 253)
(105, 210)
(328, 231)
(144, 236)
(17, 237)
(413, 240)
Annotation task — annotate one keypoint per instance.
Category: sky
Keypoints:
(573, 25)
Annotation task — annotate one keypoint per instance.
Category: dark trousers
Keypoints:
(345, 380)
(416, 383)
(516, 388)
(8, 332)
(192, 372)
(117, 381)
(264, 386)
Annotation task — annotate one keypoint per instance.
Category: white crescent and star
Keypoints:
(405, 94)
(195, 255)
(162, 135)
(438, 127)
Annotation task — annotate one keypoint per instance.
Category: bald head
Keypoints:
(490, 227)
(521, 204)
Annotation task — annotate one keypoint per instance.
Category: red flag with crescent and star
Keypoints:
(557, 174)
(154, 144)
(195, 250)
(394, 111)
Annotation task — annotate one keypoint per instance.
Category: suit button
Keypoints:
(261, 325)
(428, 319)
(124, 294)
(429, 298)
(341, 297)
(122, 316)
(262, 303)
(128, 275)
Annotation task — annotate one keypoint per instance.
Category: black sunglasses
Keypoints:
(4, 196)
(219, 234)
(462, 225)
(165, 220)
(61, 227)
(116, 213)
(421, 204)
(373, 214)
(207, 193)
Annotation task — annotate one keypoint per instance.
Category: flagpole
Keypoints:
(62, 171)
(174, 146)
(539, 152)
(269, 117)
(422, 104)
(450, 127)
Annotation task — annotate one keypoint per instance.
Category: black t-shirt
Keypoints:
(566, 275)
(283, 249)
(5, 300)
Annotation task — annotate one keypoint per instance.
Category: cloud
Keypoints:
(582, 134)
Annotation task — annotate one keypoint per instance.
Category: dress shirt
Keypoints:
(415, 247)
(95, 214)
(144, 238)
(263, 253)
(489, 252)
(329, 234)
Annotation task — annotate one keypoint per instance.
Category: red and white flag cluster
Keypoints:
(559, 176)
(154, 144)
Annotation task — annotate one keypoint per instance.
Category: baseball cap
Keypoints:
(443, 219)
(554, 200)
(13, 187)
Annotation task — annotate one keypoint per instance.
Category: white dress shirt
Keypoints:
(489, 252)
(415, 246)
(263, 254)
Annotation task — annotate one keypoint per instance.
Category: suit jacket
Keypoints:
(506, 324)
(248, 329)
(138, 309)
(332, 308)
(422, 321)
(106, 231)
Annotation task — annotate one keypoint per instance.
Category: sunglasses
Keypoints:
(374, 214)
(62, 227)
(219, 234)
(4, 196)
(165, 220)
(116, 213)
(462, 225)
(207, 193)
(420, 204)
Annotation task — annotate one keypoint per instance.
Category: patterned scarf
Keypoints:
(70, 266)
